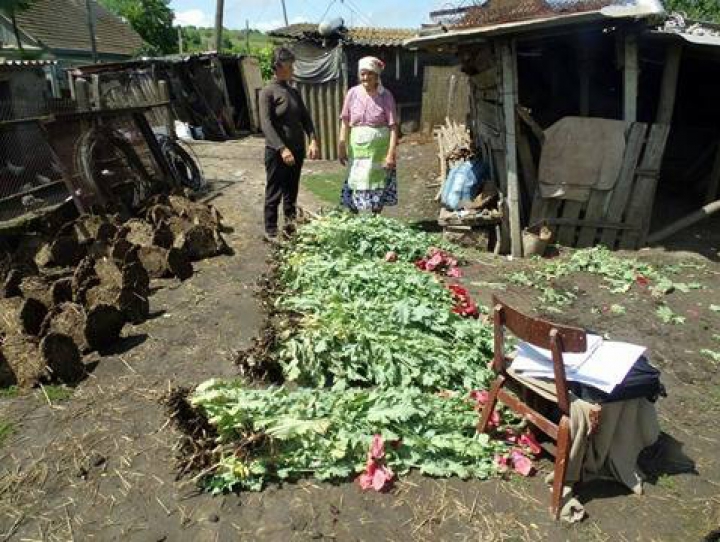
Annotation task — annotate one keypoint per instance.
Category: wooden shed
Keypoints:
(404, 72)
(574, 103)
(217, 93)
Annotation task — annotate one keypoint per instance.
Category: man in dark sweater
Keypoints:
(285, 122)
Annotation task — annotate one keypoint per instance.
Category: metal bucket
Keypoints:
(535, 241)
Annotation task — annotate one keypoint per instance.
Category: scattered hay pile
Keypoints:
(70, 290)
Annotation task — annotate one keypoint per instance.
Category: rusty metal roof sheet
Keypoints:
(61, 24)
(617, 9)
(361, 36)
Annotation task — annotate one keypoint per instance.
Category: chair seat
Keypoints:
(543, 387)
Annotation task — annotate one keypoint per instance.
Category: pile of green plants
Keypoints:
(287, 434)
(371, 352)
(619, 275)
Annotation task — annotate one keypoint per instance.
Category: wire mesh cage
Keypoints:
(31, 176)
(110, 159)
(101, 158)
(506, 11)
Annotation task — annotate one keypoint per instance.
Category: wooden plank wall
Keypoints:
(617, 218)
(324, 101)
(252, 84)
(446, 94)
(487, 122)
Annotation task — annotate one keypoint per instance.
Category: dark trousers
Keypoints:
(283, 183)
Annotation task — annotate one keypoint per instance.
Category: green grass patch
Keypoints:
(9, 393)
(57, 393)
(6, 429)
(325, 186)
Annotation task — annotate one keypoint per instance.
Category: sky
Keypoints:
(267, 14)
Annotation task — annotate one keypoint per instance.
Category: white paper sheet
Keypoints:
(529, 351)
(607, 367)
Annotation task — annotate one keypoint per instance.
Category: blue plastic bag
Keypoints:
(464, 183)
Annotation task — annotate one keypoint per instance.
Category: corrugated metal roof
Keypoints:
(362, 36)
(628, 10)
(62, 24)
(24, 63)
(695, 32)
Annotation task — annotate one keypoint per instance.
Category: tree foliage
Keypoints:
(702, 10)
(152, 19)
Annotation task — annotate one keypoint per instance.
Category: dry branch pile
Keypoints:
(70, 292)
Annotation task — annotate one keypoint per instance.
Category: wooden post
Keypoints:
(668, 91)
(82, 94)
(219, 13)
(630, 71)
(71, 84)
(509, 103)
(714, 184)
(584, 65)
(97, 98)
(164, 91)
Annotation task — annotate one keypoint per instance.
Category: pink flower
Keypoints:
(528, 440)
(377, 448)
(481, 397)
(458, 291)
(376, 476)
(436, 259)
(391, 256)
(521, 464)
(454, 272)
(501, 462)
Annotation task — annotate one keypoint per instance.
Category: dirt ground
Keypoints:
(99, 466)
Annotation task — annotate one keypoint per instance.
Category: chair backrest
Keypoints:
(537, 331)
(543, 334)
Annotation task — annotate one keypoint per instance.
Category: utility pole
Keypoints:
(90, 8)
(219, 11)
(180, 40)
(247, 35)
(285, 13)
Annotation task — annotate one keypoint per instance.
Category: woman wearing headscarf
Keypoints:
(368, 142)
(285, 121)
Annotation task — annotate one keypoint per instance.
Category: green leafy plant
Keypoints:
(279, 434)
(619, 275)
(667, 315)
(379, 351)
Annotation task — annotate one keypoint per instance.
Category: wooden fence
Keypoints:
(446, 94)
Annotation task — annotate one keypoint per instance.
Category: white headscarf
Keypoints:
(372, 64)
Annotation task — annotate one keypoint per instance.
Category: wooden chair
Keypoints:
(558, 339)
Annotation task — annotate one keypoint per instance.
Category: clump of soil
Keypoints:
(71, 288)
(196, 449)
(258, 362)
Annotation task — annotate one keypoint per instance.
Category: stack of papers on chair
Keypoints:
(604, 364)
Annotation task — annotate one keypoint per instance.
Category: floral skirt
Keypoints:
(371, 200)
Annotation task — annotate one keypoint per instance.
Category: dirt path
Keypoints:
(99, 465)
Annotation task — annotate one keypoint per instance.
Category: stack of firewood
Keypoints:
(71, 293)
